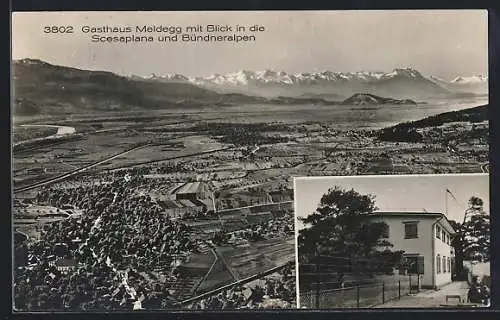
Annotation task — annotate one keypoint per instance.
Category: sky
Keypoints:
(399, 193)
(444, 43)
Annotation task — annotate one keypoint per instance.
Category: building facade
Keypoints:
(425, 239)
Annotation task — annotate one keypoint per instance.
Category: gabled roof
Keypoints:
(193, 187)
(431, 215)
(446, 223)
(407, 213)
(190, 187)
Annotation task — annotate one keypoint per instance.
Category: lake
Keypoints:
(345, 116)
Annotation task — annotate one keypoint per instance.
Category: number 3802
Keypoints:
(58, 29)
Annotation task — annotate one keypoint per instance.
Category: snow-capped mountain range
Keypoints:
(401, 82)
(461, 80)
(477, 84)
(246, 77)
(470, 80)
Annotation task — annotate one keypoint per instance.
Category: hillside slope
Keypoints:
(407, 131)
(40, 87)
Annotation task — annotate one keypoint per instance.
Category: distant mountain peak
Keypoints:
(167, 77)
(404, 72)
(470, 80)
(371, 99)
(470, 85)
(245, 72)
(436, 78)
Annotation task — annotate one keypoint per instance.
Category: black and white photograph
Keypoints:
(407, 241)
(153, 153)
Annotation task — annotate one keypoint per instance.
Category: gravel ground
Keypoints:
(431, 298)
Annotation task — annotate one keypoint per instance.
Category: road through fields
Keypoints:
(71, 173)
(84, 168)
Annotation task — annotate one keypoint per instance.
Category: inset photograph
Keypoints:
(153, 153)
(408, 241)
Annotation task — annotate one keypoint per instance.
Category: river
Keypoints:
(61, 130)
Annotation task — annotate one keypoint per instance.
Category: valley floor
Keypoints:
(172, 208)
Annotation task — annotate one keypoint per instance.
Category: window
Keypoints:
(411, 230)
(385, 231)
(438, 263)
(420, 265)
(444, 264)
(447, 238)
(415, 264)
(438, 232)
(449, 265)
(443, 235)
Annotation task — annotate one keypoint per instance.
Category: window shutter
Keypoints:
(385, 233)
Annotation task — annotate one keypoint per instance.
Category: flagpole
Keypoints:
(446, 202)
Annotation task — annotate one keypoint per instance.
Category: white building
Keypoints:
(64, 265)
(425, 239)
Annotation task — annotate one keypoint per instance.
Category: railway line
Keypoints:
(255, 206)
(232, 285)
(171, 158)
(92, 165)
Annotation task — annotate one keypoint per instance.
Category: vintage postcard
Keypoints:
(406, 241)
(154, 152)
